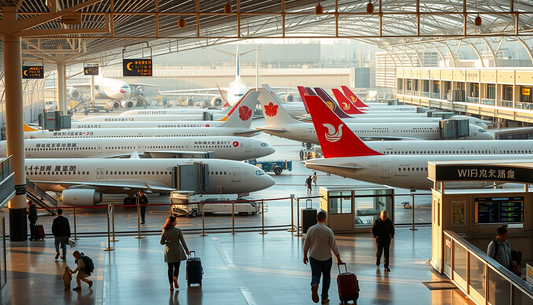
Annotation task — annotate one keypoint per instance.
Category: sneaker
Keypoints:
(314, 293)
(387, 269)
(57, 255)
(377, 263)
(77, 288)
(90, 284)
(326, 301)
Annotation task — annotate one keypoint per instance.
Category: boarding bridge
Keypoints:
(40, 198)
(454, 129)
(191, 177)
(208, 116)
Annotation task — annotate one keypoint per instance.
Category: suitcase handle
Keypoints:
(191, 253)
(345, 268)
(310, 201)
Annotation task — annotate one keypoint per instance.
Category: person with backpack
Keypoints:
(500, 250)
(84, 270)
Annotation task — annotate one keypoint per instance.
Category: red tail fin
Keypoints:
(226, 104)
(302, 92)
(336, 139)
(357, 101)
(345, 104)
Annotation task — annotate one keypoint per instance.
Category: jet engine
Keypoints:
(289, 97)
(81, 197)
(127, 104)
(73, 94)
(116, 104)
(216, 101)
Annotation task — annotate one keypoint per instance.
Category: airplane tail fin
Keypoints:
(241, 115)
(303, 92)
(336, 139)
(355, 100)
(345, 104)
(331, 103)
(274, 94)
(226, 104)
(274, 113)
(28, 128)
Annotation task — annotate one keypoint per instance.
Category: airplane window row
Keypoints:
(218, 173)
(211, 146)
(165, 146)
(58, 173)
(417, 152)
(412, 169)
(59, 148)
(180, 125)
(136, 173)
(135, 136)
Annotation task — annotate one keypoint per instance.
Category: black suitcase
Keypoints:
(308, 216)
(194, 270)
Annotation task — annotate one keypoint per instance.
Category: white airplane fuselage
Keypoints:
(103, 174)
(109, 88)
(154, 117)
(143, 124)
(231, 148)
(408, 172)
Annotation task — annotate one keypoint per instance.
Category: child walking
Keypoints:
(67, 278)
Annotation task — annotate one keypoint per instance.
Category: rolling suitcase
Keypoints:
(348, 286)
(194, 270)
(39, 232)
(308, 216)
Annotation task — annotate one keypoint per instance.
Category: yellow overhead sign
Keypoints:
(30, 72)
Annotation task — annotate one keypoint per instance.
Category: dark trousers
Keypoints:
(382, 245)
(173, 271)
(143, 212)
(318, 268)
(32, 230)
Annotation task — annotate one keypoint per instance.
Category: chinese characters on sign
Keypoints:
(495, 172)
(32, 72)
(137, 67)
(90, 71)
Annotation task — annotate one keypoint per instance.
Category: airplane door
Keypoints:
(385, 170)
(248, 147)
(100, 173)
(186, 146)
(494, 150)
(304, 132)
(99, 147)
(236, 174)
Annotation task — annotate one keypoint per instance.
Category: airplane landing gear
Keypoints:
(128, 201)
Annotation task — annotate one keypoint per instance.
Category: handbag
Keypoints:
(71, 243)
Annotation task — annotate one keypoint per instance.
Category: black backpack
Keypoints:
(89, 265)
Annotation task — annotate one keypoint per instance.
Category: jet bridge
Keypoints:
(454, 129)
(191, 177)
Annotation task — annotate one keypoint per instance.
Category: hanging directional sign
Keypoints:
(90, 71)
(137, 67)
(31, 72)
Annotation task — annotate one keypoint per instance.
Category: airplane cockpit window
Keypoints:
(259, 173)
(482, 130)
(264, 144)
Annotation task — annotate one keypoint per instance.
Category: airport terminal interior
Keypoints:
(187, 151)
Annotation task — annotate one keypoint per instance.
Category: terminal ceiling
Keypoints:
(108, 26)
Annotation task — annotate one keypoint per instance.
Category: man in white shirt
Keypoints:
(320, 241)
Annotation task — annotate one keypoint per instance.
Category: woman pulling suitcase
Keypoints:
(172, 238)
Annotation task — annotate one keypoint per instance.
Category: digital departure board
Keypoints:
(31, 72)
(499, 210)
(137, 67)
(90, 71)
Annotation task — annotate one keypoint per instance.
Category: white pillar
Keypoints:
(15, 134)
(93, 98)
(61, 88)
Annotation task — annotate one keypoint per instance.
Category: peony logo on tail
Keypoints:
(271, 109)
(333, 135)
(345, 106)
(245, 113)
(331, 105)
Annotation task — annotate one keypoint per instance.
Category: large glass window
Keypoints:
(507, 92)
(525, 94)
(340, 202)
(491, 91)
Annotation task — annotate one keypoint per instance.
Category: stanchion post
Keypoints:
(291, 229)
(113, 222)
(413, 208)
(203, 219)
(233, 217)
(109, 248)
(263, 217)
(298, 217)
(75, 233)
(139, 221)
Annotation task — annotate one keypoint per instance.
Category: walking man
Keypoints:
(32, 217)
(143, 200)
(383, 232)
(320, 241)
(500, 250)
(61, 231)
(308, 183)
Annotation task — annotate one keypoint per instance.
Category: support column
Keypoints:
(15, 135)
(61, 88)
(93, 97)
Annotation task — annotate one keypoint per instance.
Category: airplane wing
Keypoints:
(249, 133)
(143, 85)
(273, 128)
(341, 166)
(388, 138)
(512, 131)
(171, 154)
(111, 187)
(196, 92)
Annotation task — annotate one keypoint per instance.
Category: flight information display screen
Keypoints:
(499, 210)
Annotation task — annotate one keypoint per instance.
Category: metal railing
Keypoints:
(472, 99)
(504, 103)
(41, 198)
(480, 277)
(524, 105)
(435, 95)
(488, 101)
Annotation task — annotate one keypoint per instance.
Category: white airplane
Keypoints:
(294, 109)
(153, 117)
(237, 124)
(231, 148)
(174, 111)
(279, 123)
(236, 90)
(83, 181)
(347, 156)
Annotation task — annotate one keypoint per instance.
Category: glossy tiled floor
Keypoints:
(247, 268)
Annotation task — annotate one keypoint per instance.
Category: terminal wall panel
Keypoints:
(524, 77)
(472, 76)
(488, 76)
(435, 74)
(506, 77)
(459, 75)
(400, 73)
(446, 75)
(424, 74)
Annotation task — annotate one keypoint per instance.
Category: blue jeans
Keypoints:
(63, 241)
(318, 268)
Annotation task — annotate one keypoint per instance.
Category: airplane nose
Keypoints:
(268, 181)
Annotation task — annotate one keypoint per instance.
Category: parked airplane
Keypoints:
(347, 156)
(174, 111)
(83, 181)
(152, 117)
(231, 148)
(279, 123)
(294, 109)
(237, 124)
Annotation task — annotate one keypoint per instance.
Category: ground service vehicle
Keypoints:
(189, 204)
